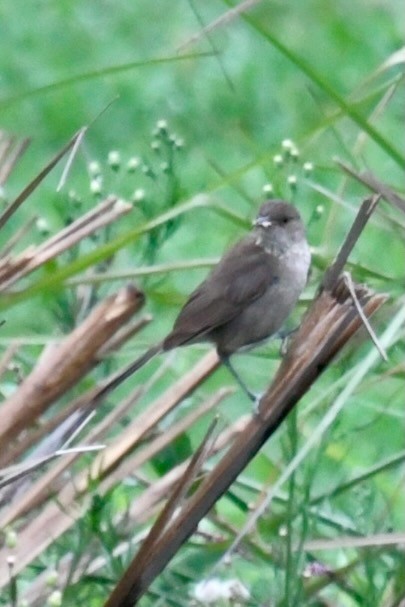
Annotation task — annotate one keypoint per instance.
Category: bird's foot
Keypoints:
(257, 399)
(285, 337)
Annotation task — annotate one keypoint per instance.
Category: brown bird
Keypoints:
(248, 296)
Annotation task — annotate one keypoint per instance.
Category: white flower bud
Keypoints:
(138, 195)
(94, 168)
(294, 153)
(178, 143)
(96, 186)
(287, 145)
(114, 159)
(133, 164)
(161, 125)
(42, 225)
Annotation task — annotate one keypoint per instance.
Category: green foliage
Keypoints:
(195, 139)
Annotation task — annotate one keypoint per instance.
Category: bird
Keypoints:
(248, 295)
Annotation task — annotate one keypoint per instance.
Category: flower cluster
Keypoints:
(289, 171)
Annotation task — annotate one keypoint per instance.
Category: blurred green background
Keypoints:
(232, 103)
(314, 72)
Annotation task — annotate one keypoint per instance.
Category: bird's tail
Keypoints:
(134, 366)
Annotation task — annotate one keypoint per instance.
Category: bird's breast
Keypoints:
(295, 262)
(265, 316)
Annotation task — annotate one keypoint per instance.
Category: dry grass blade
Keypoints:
(60, 367)
(60, 514)
(94, 215)
(123, 335)
(17, 236)
(7, 357)
(367, 208)
(147, 420)
(85, 402)
(223, 20)
(52, 481)
(369, 329)
(10, 152)
(380, 539)
(18, 472)
(122, 592)
(330, 322)
(158, 491)
(108, 211)
(56, 444)
(122, 468)
(375, 185)
(127, 466)
(14, 206)
(141, 510)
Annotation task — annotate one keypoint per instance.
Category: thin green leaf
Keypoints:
(324, 85)
(54, 281)
(96, 74)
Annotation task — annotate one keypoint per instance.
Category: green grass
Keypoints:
(309, 72)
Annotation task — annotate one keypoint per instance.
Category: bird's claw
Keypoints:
(257, 399)
(285, 337)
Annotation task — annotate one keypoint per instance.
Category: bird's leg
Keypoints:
(253, 397)
(285, 335)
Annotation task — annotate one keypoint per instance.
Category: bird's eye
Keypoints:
(285, 220)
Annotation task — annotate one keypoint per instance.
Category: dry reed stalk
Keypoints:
(62, 367)
(73, 499)
(329, 323)
(13, 269)
(11, 151)
(331, 320)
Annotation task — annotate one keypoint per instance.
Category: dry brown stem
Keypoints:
(85, 402)
(59, 369)
(60, 514)
(330, 322)
(7, 357)
(327, 326)
(17, 236)
(375, 185)
(52, 481)
(13, 269)
(140, 511)
(10, 152)
(22, 197)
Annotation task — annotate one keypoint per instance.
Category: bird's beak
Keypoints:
(264, 222)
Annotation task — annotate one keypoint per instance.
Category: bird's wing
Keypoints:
(243, 275)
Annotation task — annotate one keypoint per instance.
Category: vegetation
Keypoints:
(196, 112)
